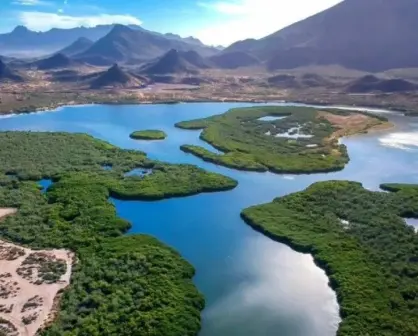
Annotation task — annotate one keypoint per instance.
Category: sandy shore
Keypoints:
(28, 295)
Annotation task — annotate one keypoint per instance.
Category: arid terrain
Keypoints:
(316, 85)
(30, 285)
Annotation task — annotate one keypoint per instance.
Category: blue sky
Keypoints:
(213, 21)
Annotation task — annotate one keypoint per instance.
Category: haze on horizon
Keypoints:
(215, 22)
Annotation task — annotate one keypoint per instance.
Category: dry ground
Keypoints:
(27, 301)
(354, 123)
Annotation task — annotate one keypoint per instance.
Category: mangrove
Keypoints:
(148, 135)
(361, 240)
(280, 139)
(121, 285)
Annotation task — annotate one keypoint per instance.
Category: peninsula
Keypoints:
(281, 139)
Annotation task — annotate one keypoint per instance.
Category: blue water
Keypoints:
(45, 184)
(253, 286)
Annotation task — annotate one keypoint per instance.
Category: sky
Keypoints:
(215, 22)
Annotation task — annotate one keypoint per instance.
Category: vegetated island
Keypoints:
(148, 135)
(361, 240)
(280, 139)
(121, 285)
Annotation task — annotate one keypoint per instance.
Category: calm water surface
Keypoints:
(253, 286)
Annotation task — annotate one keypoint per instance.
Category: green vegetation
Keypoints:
(148, 135)
(122, 285)
(253, 144)
(361, 240)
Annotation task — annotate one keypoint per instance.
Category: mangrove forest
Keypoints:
(361, 240)
(281, 139)
(121, 285)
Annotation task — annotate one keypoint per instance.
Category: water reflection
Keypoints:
(413, 222)
(289, 288)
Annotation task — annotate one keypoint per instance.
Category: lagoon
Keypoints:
(252, 285)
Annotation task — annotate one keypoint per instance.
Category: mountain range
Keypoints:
(371, 36)
(23, 42)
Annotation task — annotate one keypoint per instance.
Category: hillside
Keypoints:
(7, 74)
(56, 61)
(114, 77)
(77, 47)
(372, 83)
(234, 60)
(124, 44)
(174, 62)
(382, 28)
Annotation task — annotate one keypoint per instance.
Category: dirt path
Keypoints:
(29, 283)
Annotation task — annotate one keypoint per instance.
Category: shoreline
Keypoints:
(307, 103)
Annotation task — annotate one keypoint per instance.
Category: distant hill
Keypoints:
(175, 62)
(234, 60)
(115, 77)
(372, 35)
(124, 44)
(56, 61)
(372, 83)
(77, 47)
(7, 74)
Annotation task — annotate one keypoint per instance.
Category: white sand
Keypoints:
(25, 290)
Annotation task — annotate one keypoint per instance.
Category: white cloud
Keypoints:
(241, 19)
(31, 3)
(42, 21)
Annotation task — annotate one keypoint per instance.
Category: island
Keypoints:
(148, 135)
(361, 240)
(120, 284)
(280, 139)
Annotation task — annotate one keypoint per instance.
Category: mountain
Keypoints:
(372, 83)
(372, 35)
(124, 44)
(174, 62)
(77, 47)
(7, 74)
(234, 59)
(56, 61)
(115, 77)
(195, 59)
